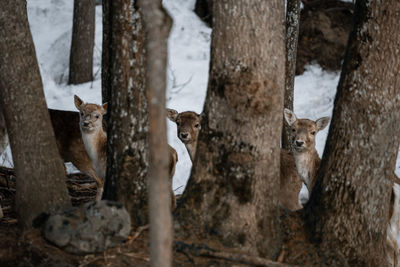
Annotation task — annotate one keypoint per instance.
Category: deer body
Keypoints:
(68, 138)
(95, 145)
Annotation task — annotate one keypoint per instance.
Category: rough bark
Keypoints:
(349, 205)
(292, 36)
(127, 122)
(233, 192)
(157, 26)
(39, 169)
(81, 57)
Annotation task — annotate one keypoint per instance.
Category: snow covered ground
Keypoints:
(189, 55)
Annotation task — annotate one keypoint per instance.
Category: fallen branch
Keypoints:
(205, 251)
(140, 229)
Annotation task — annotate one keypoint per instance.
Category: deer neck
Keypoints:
(95, 144)
(191, 148)
(307, 164)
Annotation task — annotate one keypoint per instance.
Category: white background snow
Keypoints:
(189, 55)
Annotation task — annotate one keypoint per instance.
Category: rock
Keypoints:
(91, 228)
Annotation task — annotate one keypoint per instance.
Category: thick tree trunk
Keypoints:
(157, 25)
(41, 179)
(233, 192)
(128, 146)
(349, 205)
(292, 36)
(81, 57)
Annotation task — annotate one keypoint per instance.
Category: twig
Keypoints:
(205, 251)
(140, 229)
(136, 256)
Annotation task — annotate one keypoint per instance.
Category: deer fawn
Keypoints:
(68, 139)
(305, 155)
(95, 140)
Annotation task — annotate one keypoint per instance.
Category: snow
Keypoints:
(189, 55)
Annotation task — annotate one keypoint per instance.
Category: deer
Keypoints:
(68, 139)
(305, 154)
(188, 128)
(95, 141)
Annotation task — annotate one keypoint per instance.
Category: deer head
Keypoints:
(304, 131)
(91, 115)
(188, 128)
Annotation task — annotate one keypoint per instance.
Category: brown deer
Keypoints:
(95, 140)
(305, 155)
(188, 127)
(68, 139)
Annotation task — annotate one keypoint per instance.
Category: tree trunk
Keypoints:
(128, 146)
(41, 179)
(157, 25)
(233, 192)
(81, 57)
(349, 205)
(292, 36)
(106, 66)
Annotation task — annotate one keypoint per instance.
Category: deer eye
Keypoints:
(96, 116)
(197, 125)
(313, 132)
(81, 113)
(293, 129)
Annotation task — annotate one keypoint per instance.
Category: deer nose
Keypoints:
(184, 135)
(299, 143)
(85, 123)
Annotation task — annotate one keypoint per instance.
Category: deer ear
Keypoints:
(104, 106)
(290, 117)
(172, 114)
(322, 122)
(78, 102)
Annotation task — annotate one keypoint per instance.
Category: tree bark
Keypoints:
(233, 192)
(81, 57)
(40, 172)
(349, 205)
(106, 66)
(292, 36)
(157, 26)
(128, 144)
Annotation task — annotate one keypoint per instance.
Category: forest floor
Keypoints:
(30, 248)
